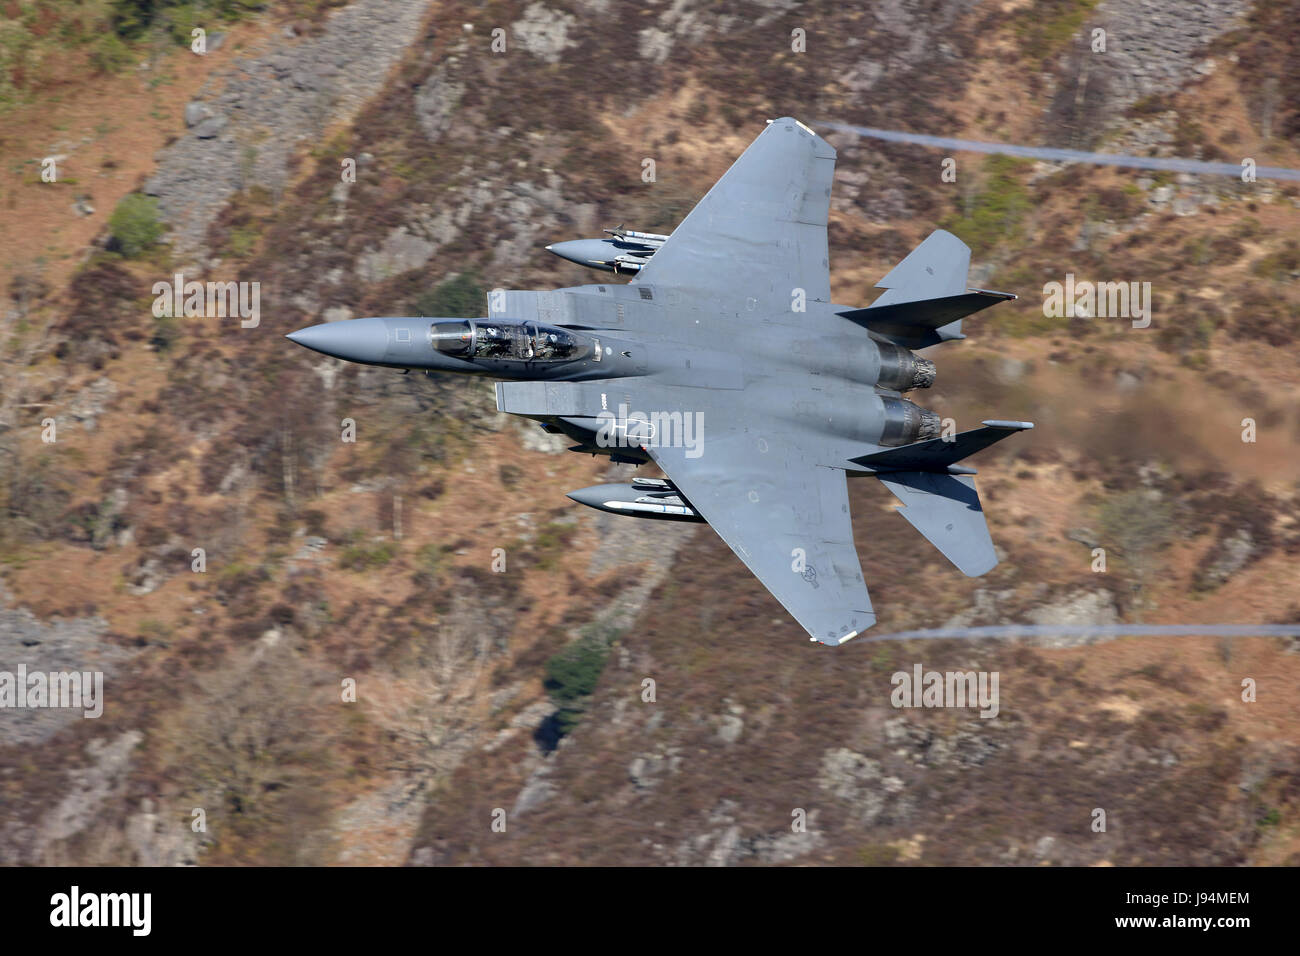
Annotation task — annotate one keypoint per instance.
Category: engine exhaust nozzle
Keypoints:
(906, 422)
(901, 370)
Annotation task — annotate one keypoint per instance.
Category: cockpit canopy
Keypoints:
(452, 337)
(505, 340)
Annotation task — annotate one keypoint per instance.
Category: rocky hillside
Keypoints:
(387, 645)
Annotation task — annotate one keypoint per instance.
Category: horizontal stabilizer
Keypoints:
(924, 322)
(934, 269)
(925, 295)
(937, 454)
(946, 510)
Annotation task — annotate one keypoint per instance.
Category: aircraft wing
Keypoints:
(786, 518)
(760, 232)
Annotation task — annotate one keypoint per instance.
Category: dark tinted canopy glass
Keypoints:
(509, 341)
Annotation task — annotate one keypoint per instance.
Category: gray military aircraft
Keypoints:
(726, 364)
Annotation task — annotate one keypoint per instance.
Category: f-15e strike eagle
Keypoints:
(754, 393)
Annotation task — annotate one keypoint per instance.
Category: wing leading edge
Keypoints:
(760, 232)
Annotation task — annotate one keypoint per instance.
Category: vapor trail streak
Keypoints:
(1066, 155)
(1112, 630)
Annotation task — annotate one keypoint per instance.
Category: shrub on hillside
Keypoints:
(571, 677)
(460, 297)
(134, 227)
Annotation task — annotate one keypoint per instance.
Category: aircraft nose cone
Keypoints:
(354, 340)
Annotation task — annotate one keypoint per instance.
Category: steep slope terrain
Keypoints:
(497, 637)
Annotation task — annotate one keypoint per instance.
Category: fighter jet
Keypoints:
(725, 362)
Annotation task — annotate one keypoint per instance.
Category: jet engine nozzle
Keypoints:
(901, 370)
(906, 422)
